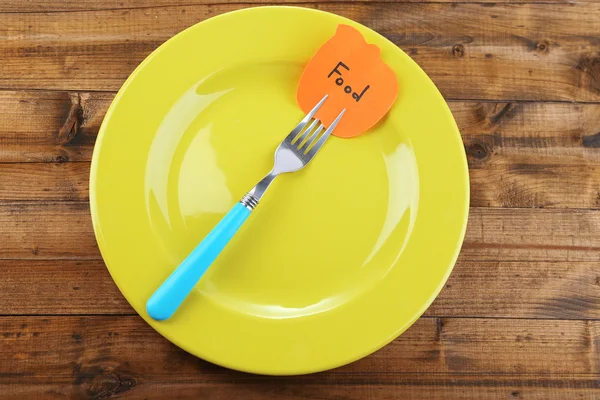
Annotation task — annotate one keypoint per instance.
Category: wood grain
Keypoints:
(63, 230)
(569, 290)
(519, 317)
(38, 6)
(471, 51)
(44, 126)
(63, 287)
(531, 154)
(520, 154)
(47, 231)
(99, 357)
(456, 388)
(34, 181)
(475, 289)
(496, 234)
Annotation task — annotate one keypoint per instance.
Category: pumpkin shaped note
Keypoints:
(351, 73)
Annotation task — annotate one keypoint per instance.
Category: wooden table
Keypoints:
(519, 317)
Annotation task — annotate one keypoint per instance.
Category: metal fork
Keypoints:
(293, 154)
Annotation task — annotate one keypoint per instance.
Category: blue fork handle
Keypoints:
(169, 296)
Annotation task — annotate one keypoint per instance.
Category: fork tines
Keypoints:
(310, 139)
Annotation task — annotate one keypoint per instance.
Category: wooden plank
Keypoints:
(50, 126)
(98, 357)
(504, 51)
(556, 287)
(34, 6)
(47, 231)
(369, 389)
(520, 154)
(496, 234)
(521, 290)
(34, 181)
(64, 231)
(531, 154)
(475, 289)
(58, 287)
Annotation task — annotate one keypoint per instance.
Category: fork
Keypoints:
(296, 150)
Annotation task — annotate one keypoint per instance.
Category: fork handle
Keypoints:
(169, 296)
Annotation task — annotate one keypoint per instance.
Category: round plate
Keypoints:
(338, 259)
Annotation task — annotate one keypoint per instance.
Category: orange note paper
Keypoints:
(351, 72)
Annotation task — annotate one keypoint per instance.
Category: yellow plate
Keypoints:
(338, 259)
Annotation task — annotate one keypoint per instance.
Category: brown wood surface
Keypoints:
(471, 51)
(521, 154)
(32, 6)
(63, 231)
(551, 290)
(454, 358)
(519, 317)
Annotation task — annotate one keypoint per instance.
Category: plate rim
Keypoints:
(299, 371)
